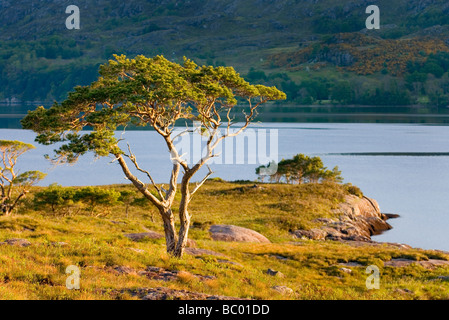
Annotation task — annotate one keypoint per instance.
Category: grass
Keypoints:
(311, 268)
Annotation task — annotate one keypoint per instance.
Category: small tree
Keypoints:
(157, 93)
(96, 197)
(127, 197)
(143, 203)
(302, 169)
(14, 185)
(57, 199)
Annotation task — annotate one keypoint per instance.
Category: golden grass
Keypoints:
(311, 268)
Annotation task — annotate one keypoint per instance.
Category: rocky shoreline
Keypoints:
(356, 219)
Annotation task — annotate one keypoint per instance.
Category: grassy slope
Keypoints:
(311, 270)
(239, 33)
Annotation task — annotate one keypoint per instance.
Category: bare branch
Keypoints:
(133, 159)
(137, 183)
(198, 185)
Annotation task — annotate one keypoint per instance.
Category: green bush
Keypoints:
(56, 199)
(354, 190)
(96, 197)
(70, 201)
(303, 169)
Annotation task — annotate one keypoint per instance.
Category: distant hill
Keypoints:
(318, 52)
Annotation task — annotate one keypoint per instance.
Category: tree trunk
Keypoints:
(7, 210)
(169, 229)
(184, 219)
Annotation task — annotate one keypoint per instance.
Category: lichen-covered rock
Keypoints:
(172, 294)
(275, 273)
(428, 264)
(144, 235)
(16, 242)
(236, 233)
(283, 290)
(313, 234)
(358, 220)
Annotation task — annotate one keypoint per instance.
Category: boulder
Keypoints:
(428, 264)
(283, 290)
(16, 242)
(202, 252)
(163, 293)
(236, 233)
(124, 270)
(345, 270)
(313, 234)
(358, 220)
(144, 235)
(275, 273)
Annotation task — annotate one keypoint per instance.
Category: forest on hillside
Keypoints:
(330, 58)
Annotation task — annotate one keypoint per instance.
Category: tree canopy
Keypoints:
(13, 184)
(155, 93)
(303, 169)
(141, 91)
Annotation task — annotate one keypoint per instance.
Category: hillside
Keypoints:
(318, 52)
(37, 245)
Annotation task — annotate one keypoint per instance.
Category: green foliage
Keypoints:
(303, 169)
(342, 92)
(96, 197)
(256, 75)
(340, 22)
(317, 89)
(97, 246)
(56, 198)
(70, 201)
(28, 178)
(134, 91)
(128, 198)
(14, 186)
(354, 190)
(430, 17)
(15, 147)
(381, 96)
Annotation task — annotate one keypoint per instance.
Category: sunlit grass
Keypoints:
(310, 268)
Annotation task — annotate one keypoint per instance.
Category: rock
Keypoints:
(229, 262)
(283, 289)
(351, 264)
(156, 273)
(428, 264)
(202, 252)
(391, 215)
(275, 273)
(279, 257)
(117, 222)
(404, 291)
(16, 242)
(144, 235)
(172, 294)
(136, 250)
(358, 220)
(235, 233)
(313, 234)
(59, 244)
(124, 270)
(345, 270)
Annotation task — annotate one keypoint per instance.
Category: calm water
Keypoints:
(404, 167)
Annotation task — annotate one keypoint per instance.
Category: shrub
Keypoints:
(303, 169)
(96, 197)
(57, 199)
(354, 190)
